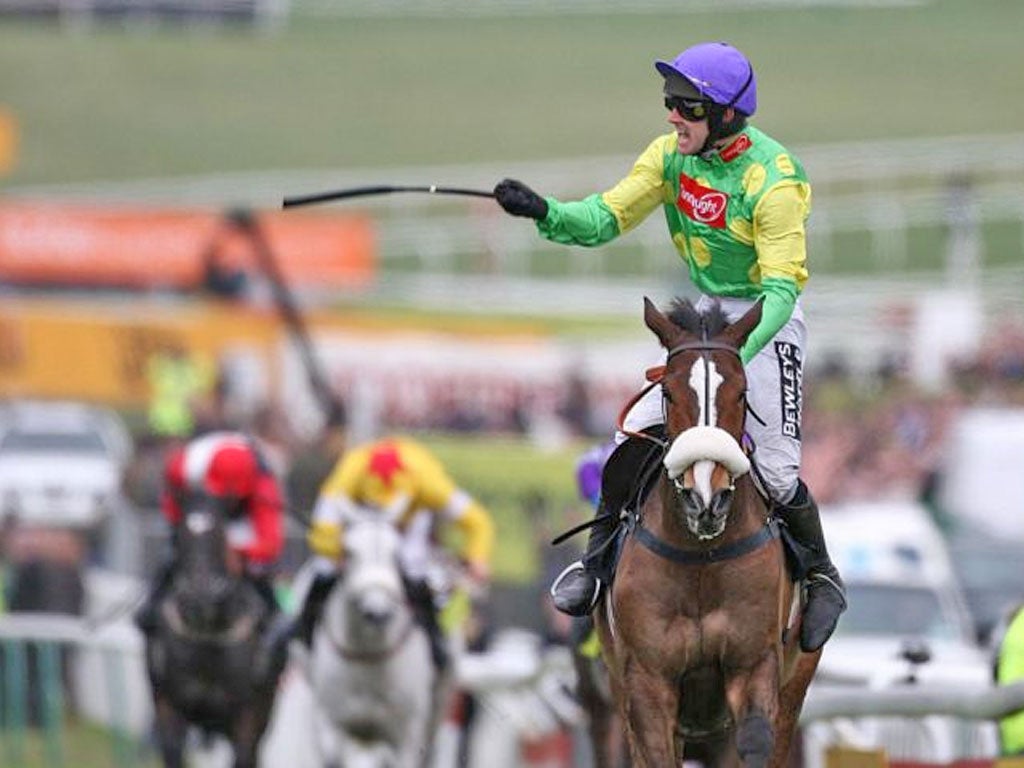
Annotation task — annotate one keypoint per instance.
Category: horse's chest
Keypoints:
(708, 622)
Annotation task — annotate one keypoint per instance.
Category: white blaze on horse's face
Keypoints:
(698, 449)
(704, 381)
(199, 522)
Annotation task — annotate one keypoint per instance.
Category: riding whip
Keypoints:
(344, 194)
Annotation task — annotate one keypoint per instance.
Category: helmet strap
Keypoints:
(718, 128)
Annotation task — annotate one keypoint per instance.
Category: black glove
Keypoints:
(519, 200)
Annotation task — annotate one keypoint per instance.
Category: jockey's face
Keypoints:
(690, 134)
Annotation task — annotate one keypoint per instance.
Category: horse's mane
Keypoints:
(685, 315)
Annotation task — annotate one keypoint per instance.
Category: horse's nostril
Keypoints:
(376, 609)
(377, 616)
(692, 503)
(721, 500)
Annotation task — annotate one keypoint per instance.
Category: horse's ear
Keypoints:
(663, 328)
(737, 332)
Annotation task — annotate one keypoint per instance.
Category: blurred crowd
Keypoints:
(881, 437)
(865, 435)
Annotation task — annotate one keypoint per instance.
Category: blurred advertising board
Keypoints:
(84, 246)
(100, 351)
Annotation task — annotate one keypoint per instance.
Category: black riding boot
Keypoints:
(145, 616)
(313, 606)
(422, 599)
(577, 588)
(826, 596)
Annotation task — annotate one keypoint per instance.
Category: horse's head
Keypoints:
(704, 389)
(205, 582)
(374, 592)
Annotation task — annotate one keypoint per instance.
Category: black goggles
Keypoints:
(693, 110)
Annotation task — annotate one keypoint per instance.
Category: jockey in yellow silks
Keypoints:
(399, 478)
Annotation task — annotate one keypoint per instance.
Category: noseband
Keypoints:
(635, 521)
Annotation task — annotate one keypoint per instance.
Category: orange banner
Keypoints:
(93, 246)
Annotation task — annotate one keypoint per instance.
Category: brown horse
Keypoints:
(699, 629)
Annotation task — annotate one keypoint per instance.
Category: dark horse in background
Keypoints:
(699, 629)
(208, 664)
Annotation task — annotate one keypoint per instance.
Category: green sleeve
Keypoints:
(586, 222)
(779, 299)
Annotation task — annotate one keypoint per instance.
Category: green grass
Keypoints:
(366, 93)
(509, 476)
(78, 745)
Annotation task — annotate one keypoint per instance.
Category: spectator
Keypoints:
(1009, 668)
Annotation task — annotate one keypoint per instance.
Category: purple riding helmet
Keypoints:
(718, 72)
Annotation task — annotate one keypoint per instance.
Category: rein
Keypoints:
(655, 376)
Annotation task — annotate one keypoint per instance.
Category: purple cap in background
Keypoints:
(719, 72)
(588, 471)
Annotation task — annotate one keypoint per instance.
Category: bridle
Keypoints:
(383, 653)
(655, 376)
(635, 525)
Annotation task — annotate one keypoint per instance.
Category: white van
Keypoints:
(907, 623)
(897, 568)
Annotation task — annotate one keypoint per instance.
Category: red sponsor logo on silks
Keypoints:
(737, 148)
(701, 203)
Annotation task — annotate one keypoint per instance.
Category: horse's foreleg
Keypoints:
(171, 729)
(246, 734)
(650, 706)
(754, 700)
(791, 701)
(599, 709)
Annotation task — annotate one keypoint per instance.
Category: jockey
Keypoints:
(735, 201)
(399, 478)
(229, 467)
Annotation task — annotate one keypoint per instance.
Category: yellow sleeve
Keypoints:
(643, 189)
(339, 489)
(780, 235)
(474, 522)
(438, 493)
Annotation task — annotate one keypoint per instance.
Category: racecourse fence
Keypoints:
(61, 671)
(82, 672)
